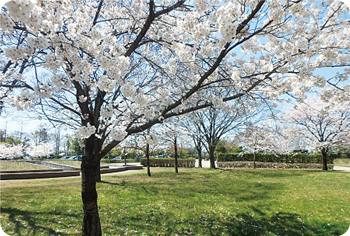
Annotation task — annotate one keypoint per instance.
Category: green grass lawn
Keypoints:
(20, 165)
(193, 202)
(73, 163)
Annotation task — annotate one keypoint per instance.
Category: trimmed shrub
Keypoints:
(245, 164)
(117, 161)
(169, 162)
(281, 158)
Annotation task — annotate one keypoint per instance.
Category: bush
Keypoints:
(169, 162)
(282, 158)
(117, 161)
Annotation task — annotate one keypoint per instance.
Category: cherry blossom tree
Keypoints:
(172, 132)
(256, 139)
(112, 69)
(146, 141)
(40, 151)
(212, 124)
(11, 151)
(323, 123)
(193, 133)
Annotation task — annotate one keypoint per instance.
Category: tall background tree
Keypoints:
(195, 136)
(212, 124)
(324, 123)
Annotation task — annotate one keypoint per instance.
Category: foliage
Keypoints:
(11, 151)
(106, 160)
(193, 202)
(14, 141)
(324, 121)
(112, 69)
(274, 165)
(342, 161)
(42, 150)
(169, 162)
(225, 146)
(280, 158)
(76, 149)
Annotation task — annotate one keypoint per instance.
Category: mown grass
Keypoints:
(19, 165)
(193, 202)
(73, 163)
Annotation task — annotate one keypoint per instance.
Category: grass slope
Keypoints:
(193, 202)
(20, 165)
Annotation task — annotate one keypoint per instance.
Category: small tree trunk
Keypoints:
(91, 219)
(212, 157)
(175, 149)
(199, 157)
(98, 172)
(148, 164)
(324, 159)
(254, 158)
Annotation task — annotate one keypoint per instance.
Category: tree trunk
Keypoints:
(91, 219)
(175, 149)
(324, 158)
(212, 157)
(254, 158)
(148, 164)
(199, 151)
(98, 172)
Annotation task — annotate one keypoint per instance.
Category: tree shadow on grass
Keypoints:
(254, 223)
(32, 223)
(120, 183)
(281, 223)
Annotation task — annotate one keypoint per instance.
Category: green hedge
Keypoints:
(117, 161)
(245, 164)
(282, 158)
(169, 162)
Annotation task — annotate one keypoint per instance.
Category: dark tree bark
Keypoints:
(254, 158)
(176, 155)
(324, 158)
(212, 156)
(91, 219)
(199, 151)
(98, 172)
(147, 156)
(89, 167)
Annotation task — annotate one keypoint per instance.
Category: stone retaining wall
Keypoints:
(34, 174)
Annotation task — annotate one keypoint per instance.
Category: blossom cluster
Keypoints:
(141, 72)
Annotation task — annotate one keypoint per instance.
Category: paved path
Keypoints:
(342, 168)
(205, 164)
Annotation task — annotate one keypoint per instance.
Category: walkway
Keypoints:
(342, 168)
